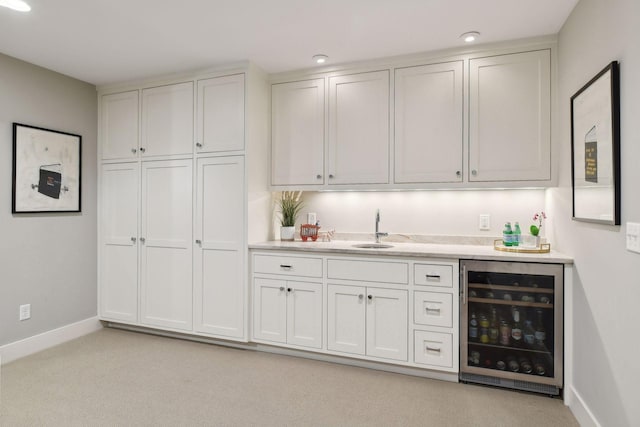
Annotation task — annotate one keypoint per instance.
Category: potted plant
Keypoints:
(290, 204)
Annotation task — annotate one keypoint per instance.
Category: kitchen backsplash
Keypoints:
(423, 213)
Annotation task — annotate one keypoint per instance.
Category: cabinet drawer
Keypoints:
(433, 309)
(433, 348)
(368, 271)
(287, 265)
(433, 275)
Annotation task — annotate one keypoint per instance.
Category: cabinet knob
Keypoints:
(474, 172)
(370, 297)
(289, 289)
(281, 288)
(198, 145)
(142, 240)
(142, 149)
(133, 239)
(198, 241)
(360, 296)
(331, 175)
(318, 176)
(134, 151)
(458, 173)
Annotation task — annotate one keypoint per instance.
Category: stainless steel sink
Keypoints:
(372, 246)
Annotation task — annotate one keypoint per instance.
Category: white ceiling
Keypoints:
(108, 41)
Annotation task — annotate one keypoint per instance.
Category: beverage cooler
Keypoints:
(511, 325)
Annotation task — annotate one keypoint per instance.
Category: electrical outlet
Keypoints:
(25, 311)
(633, 237)
(485, 222)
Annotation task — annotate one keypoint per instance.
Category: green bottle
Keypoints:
(507, 235)
(517, 235)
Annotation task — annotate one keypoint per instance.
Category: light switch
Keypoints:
(633, 237)
(485, 222)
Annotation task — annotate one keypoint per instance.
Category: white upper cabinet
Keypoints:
(510, 117)
(119, 125)
(220, 122)
(297, 133)
(428, 123)
(167, 120)
(358, 144)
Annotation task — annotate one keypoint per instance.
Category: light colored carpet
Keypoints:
(120, 378)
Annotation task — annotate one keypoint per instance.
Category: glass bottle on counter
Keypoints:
(473, 327)
(507, 235)
(517, 235)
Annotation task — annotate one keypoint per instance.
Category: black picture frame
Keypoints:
(595, 148)
(47, 170)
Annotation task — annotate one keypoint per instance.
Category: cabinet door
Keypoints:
(166, 251)
(428, 123)
(119, 248)
(270, 310)
(297, 133)
(346, 319)
(220, 114)
(119, 125)
(219, 259)
(359, 129)
(167, 120)
(387, 323)
(510, 117)
(304, 314)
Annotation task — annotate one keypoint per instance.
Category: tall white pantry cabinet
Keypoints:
(180, 168)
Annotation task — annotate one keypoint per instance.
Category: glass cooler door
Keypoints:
(511, 325)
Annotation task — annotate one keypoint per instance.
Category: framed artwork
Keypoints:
(46, 170)
(595, 148)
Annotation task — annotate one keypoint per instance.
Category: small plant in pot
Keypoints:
(290, 205)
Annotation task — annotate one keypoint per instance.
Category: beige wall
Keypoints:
(606, 289)
(46, 260)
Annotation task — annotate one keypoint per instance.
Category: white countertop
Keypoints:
(430, 250)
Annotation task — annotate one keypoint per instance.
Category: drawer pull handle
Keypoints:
(432, 310)
(285, 267)
(434, 349)
(433, 276)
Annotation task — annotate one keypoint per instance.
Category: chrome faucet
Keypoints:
(378, 233)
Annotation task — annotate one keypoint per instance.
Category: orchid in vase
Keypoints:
(535, 229)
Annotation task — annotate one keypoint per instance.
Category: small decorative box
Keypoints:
(309, 231)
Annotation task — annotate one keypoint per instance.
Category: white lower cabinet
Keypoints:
(375, 308)
(367, 321)
(287, 312)
(434, 349)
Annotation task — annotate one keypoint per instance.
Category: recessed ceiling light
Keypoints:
(319, 59)
(470, 36)
(18, 5)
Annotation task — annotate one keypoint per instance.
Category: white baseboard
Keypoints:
(27, 346)
(581, 411)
